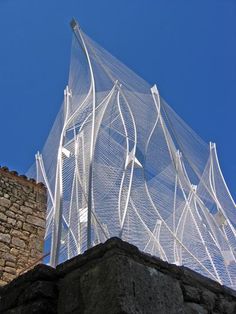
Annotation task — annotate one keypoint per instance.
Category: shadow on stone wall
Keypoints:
(115, 277)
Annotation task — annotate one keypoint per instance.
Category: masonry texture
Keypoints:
(22, 223)
(115, 278)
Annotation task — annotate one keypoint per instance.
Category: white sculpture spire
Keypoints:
(120, 162)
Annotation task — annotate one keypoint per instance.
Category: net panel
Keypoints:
(120, 152)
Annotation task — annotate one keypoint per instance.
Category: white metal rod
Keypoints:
(80, 39)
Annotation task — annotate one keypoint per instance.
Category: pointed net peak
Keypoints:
(154, 90)
(212, 145)
(74, 24)
(38, 155)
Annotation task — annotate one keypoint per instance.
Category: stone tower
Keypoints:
(22, 223)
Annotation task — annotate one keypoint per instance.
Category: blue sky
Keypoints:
(186, 47)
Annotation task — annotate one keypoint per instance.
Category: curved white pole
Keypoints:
(56, 234)
(127, 155)
(79, 36)
(211, 179)
(221, 174)
(155, 239)
(132, 164)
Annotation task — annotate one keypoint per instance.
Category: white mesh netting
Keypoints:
(120, 162)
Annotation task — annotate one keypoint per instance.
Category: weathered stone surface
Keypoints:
(9, 257)
(114, 278)
(37, 307)
(20, 217)
(18, 199)
(36, 221)
(2, 283)
(209, 298)
(18, 242)
(4, 247)
(10, 270)
(21, 234)
(10, 214)
(26, 209)
(30, 204)
(191, 294)
(14, 251)
(36, 243)
(5, 202)
(30, 228)
(38, 289)
(19, 224)
(226, 306)
(2, 262)
(10, 264)
(15, 208)
(5, 238)
(7, 277)
(11, 221)
(31, 287)
(3, 217)
(194, 308)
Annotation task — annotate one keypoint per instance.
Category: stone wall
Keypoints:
(115, 278)
(22, 223)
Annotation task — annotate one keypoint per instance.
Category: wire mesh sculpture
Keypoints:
(120, 162)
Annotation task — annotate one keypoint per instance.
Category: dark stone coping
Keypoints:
(38, 283)
(117, 246)
(21, 178)
(46, 276)
(39, 272)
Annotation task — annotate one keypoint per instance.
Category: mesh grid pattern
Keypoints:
(120, 152)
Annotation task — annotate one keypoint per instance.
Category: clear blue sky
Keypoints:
(186, 47)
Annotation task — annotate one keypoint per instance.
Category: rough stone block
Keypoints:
(27, 210)
(9, 257)
(112, 286)
(4, 247)
(18, 242)
(193, 308)
(36, 243)
(15, 208)
(10, 214)
(225, 306)
(37, 307)
(36, 221)
(191, 294)
(30, 228)
(20, 217)
(19, 224)
(2, 262)
(11, 221)
(20, 234)
(10, 264)
(8, 277)
(209, 298)
(38, 289)
(3, 217)
(10, 270)
(2, 283)
(14, 251)
(5, 238)
(5, 202)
